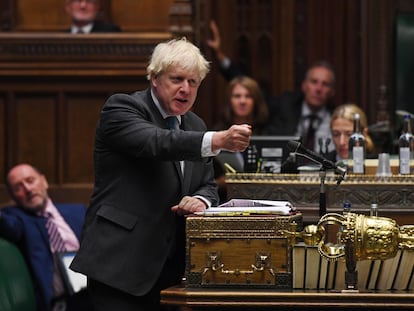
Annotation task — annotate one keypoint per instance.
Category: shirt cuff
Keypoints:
(206, 202)
(206, 146)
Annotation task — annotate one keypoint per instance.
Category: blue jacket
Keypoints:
(29, 233)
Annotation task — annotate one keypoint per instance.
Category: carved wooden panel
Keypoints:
(298, 194)
(143, 15)
(34, 124)
(81, 113)
(393, 196)
(52, 88)
(33, 16)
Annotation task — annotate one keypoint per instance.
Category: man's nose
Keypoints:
(319, 87)
(185, 86)
(27, 187)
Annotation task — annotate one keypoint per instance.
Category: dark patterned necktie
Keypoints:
(172, 123)
(57, 244)
(310, 133)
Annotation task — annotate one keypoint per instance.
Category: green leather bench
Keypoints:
(16, 289)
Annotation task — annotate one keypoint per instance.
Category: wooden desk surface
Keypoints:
(255, 299)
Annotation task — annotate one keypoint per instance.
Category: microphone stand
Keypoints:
(322, 176)
(322, 192)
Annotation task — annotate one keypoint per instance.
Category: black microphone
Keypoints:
(297, 148)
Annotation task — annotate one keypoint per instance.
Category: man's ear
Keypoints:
(154, 81)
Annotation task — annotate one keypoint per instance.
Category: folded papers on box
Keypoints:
(236, 207)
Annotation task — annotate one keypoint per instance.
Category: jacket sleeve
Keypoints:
(208, 188)
(11, 227)
(128, 125)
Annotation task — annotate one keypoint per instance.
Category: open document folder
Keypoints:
(237, 207)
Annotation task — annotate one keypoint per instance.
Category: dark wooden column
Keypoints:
(6, 15)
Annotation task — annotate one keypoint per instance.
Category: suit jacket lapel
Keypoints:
(187, 176)
(41, 225)
(178, 169)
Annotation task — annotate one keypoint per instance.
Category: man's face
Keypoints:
(28, 188)
(318, 87)
(176, 89)
(82, 12)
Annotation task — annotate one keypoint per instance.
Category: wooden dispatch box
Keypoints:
(239, 251)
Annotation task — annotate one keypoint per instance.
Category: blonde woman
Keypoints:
(342, 127)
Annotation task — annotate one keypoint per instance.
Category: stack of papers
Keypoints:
(237, 207)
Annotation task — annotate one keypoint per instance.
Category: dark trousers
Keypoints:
(106, 298)
(80, 301)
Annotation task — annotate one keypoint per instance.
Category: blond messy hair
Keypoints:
(177, 52)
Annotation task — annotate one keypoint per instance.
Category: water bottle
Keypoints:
(357, 147)
(405, 145)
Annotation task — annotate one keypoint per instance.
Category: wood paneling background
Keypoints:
(52, 85)
(50, 15)
(356, 36)
(52, 88)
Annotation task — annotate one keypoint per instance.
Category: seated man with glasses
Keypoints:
(84, 19)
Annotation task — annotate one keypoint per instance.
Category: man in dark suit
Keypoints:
(83, 15)
(298, 113)
(149, 173)
(306, 113)
(26, 225)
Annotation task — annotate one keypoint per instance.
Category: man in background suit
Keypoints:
(293, 113)
(149, 173)
(26, 225)
(83, 15)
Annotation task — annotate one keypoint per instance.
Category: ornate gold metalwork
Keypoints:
(369, 237)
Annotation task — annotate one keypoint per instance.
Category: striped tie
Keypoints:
(57, 244)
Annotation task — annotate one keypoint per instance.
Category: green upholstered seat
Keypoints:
(16, 289)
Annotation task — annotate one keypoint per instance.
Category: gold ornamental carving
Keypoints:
(370, 237)
(358, 237)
